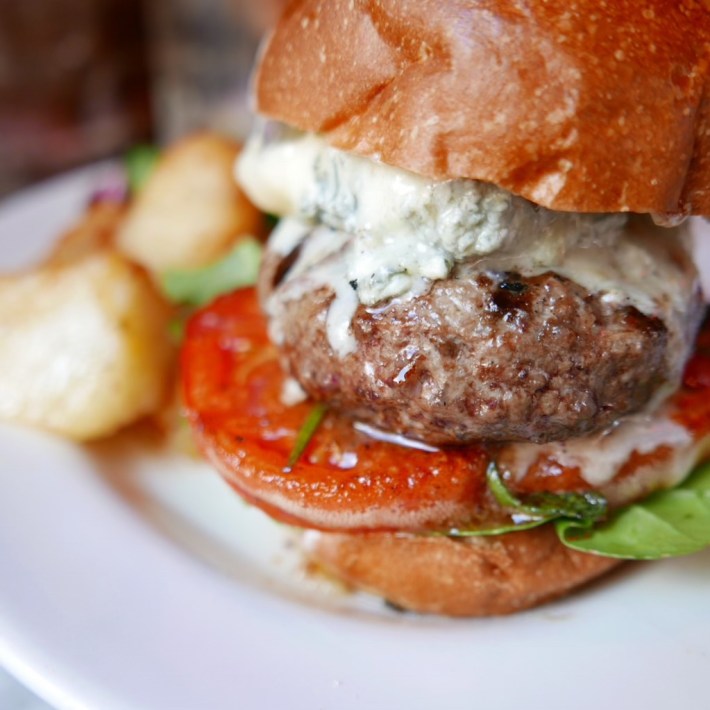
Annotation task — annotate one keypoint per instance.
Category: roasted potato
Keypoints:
(190, 211)
(84, 346)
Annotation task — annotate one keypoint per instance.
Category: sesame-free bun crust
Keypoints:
(476, 576)
(574, 104)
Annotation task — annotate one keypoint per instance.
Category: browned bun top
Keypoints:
(574, 104)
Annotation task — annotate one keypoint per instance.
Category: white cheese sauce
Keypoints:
(319, 263)
(599, 457)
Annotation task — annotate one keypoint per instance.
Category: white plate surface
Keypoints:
(130, 580)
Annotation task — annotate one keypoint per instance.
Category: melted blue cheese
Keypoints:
(371, 233)
(405, 227)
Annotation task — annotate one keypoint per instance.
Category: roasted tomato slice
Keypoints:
(345, 480)
(233, 387)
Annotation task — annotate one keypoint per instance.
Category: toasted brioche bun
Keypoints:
(476, 576)
(577, 106)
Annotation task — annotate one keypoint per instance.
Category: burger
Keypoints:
(471, 369)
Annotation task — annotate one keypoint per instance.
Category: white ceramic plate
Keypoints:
(130, 580)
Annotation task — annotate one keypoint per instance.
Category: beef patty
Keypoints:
(480, 356)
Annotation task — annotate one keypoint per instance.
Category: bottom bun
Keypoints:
(473, 576)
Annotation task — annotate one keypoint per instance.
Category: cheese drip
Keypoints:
(599, 457)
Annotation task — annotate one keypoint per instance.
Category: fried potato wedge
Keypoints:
(190, 211)
(84, 348)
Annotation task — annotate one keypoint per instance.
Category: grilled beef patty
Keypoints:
(479, 356)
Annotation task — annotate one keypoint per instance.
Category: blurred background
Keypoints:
(82, 80)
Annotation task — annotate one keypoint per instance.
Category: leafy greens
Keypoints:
(583, 508)
(668, 523)
(305, 434)
(197, 287)
(139, 163)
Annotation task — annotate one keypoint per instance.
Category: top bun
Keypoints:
(576, 105)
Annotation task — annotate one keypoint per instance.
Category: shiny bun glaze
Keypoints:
(575, 105)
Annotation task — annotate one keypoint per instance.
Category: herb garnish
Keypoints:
(305, 434)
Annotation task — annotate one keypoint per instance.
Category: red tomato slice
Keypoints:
(344, 480)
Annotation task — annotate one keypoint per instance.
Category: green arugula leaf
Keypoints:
(196, 287)
(537, 509)
(583, 507)
(305, 434)
(139, 163)
(490, 529)
(669, 523)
